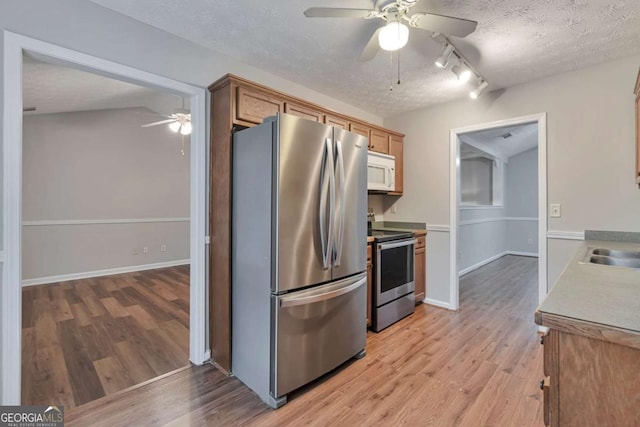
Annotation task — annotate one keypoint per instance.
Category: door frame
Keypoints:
(11, 256)
(454, 199)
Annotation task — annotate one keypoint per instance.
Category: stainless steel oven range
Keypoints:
(393, 296)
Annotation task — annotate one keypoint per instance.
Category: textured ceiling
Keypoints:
(523, 138)
(516, 41)
(56, 89)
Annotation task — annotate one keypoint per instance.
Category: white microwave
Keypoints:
(381, 172)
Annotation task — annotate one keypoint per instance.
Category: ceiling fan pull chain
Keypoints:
(391, 71)
(398, 67)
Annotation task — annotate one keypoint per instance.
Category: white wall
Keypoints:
(101, 166)
(376, 202)
(590, 156)
(522, 202)
(482, 236)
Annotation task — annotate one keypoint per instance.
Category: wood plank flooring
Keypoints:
(86, 339)
(479, 366)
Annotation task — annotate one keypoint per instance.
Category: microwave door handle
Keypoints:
(392, 177)
(342, 196)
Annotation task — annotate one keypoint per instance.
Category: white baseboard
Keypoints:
(481, 263)
(531, 254)
(493, 258)
(437, 303)
(106, 272)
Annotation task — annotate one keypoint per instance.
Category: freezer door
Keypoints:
(350, 241)
(304, 193)
(315, 331)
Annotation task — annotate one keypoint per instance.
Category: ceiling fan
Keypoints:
(179, 121)
(395, 33)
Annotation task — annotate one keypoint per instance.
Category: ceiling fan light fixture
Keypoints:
(186, 128)
(393, 36)
(443, 60)
(475, 94)
(175, 126)
(462, 72)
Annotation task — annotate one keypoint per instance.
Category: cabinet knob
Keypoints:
(542, 340)
(541, 384)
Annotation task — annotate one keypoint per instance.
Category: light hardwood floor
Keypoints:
(85, 339)
(479, 366)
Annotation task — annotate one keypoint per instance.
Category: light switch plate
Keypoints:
(555, 210)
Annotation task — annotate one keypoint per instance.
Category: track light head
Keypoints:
(462, 72)
(443, 60)
(475, 94)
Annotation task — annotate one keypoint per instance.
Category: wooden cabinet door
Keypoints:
(360, 129)
(369, 283)
(379, 141)
(336, 121)
(304, 112)
(254, 106)
(420, 274)
(395, 149)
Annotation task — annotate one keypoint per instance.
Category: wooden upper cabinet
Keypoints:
(302, 111)
(360, 129)
(379, 141)
(254, 106)
(637, 92)
(395, 149)
(336, 121)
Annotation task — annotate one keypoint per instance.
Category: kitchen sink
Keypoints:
(612, 257)
(616, 253)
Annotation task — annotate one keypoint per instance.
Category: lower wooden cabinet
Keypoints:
(420, 265)
(369, 281)
(589, 381)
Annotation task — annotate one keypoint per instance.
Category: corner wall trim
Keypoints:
(105, 272)
(566, 235)
(518, 253)
(438, 303)
(436, 227)
(102, 221)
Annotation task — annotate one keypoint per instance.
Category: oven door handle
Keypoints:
(383, 246)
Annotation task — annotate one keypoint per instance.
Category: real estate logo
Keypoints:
(31, 416)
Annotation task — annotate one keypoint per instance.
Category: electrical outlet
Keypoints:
(555, 210)
(163, 248)
(135, 251)
(145, 250)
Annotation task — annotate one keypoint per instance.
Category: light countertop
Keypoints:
(595, 293)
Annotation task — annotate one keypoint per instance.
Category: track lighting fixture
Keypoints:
(443, 60)
(474, 94)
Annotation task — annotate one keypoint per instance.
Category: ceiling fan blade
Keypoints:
(448, 25)
(371, 49)
(332, 12)
(161, 122)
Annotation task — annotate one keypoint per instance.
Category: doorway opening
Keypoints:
(498, 197)
(99, 298)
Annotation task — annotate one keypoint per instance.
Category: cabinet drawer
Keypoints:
(253, 106)
(420, 242)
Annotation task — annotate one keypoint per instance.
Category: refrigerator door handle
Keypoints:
(327, 183)
(324, 296)
(342, 195)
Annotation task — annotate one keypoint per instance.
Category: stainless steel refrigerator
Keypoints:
(299, 239)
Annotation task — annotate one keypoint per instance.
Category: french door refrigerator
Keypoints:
(298, 253)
